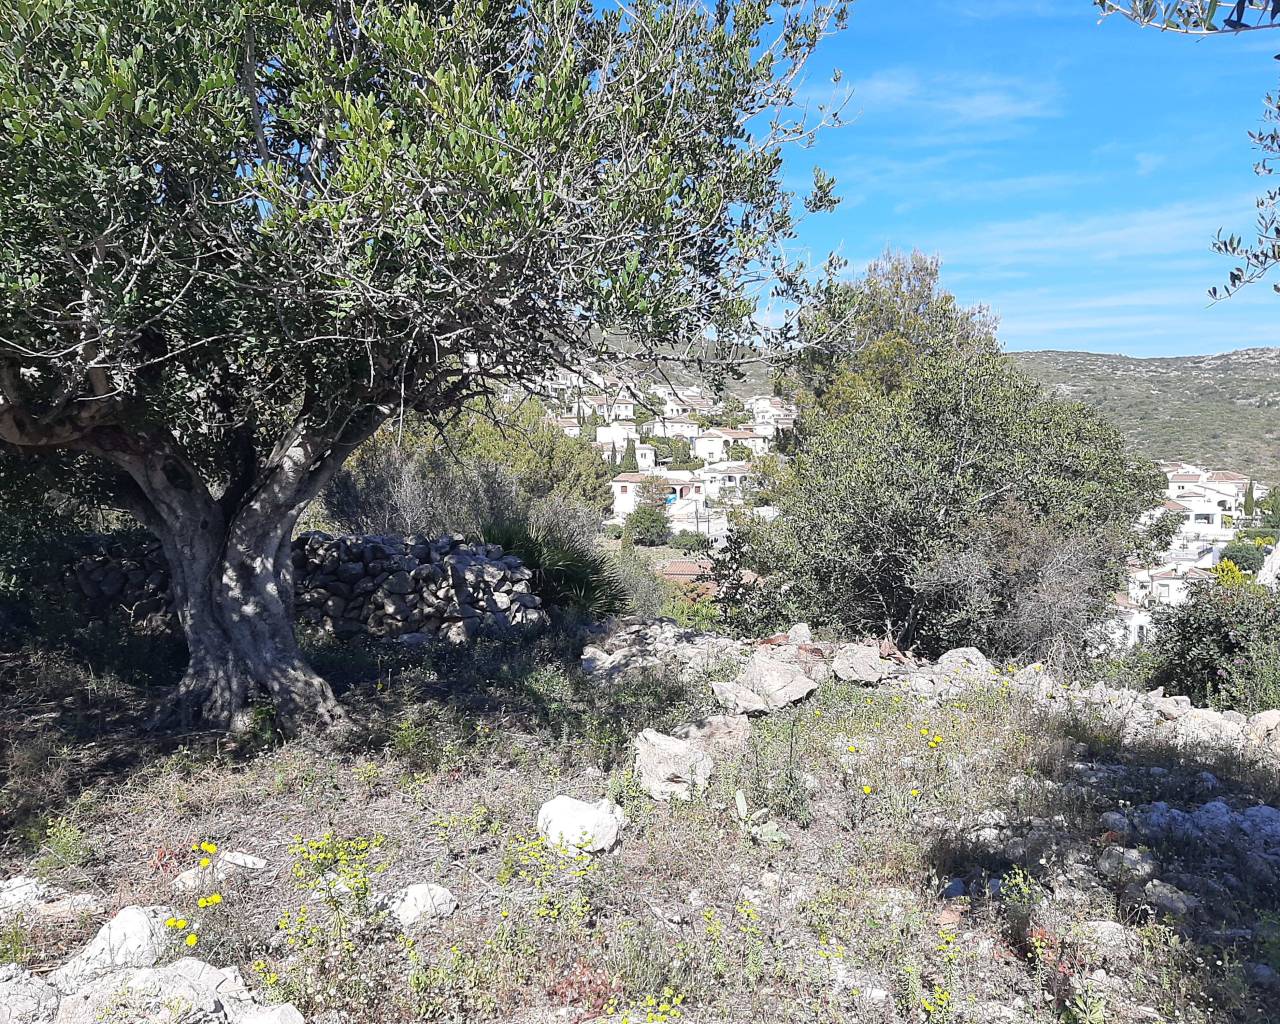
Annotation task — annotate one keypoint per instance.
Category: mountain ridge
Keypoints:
(1220, 410)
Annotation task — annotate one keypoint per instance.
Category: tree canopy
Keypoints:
(968, 505)
(238, 235)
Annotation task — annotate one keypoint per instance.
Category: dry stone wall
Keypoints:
(412, 587)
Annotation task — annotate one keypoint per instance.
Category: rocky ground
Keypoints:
(677, 826)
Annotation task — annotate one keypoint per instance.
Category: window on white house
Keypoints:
(624, 488)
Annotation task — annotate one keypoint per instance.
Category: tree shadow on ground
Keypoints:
(76, 706)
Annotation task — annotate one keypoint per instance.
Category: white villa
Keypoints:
(714, 445)
(697, 501)
(682, 428)
(1210, 504)
(608, 409)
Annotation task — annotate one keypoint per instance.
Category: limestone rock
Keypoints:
(425, 901)
(286, 1013)
(967, 663)
(858, 663)
(221, 867)
(716, 732)
(578, 825)
(773, 678)
(1168, 900)
(187, 991)
(37, 900)
(1124, 865)
(24, 998)
(135, 937)
(668, 767)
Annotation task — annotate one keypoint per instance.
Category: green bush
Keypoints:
(649, 526)
(688, 540)
(967, 506)
(1247, 555)
(1219, 647)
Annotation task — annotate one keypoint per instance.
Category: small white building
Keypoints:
(627, 488)
(685, 429)
(607, 408)
(617, 433)
(727, 480)
(714, 445)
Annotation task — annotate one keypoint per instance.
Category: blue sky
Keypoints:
(1070, 174)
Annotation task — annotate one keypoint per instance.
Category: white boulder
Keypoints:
(578, 825)
(37, 900)
(668, 767)
(968, 662)
(135, 937)
(859, 663)
(774, 677)
(221, 867)
(425, 901)
(187, 991)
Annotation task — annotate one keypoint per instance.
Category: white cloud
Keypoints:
(956, 97)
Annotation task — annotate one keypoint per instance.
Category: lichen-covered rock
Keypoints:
(668, 767)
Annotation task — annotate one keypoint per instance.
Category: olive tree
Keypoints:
(236, 236)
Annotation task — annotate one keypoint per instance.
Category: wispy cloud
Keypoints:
(1174, 229)
(956, 97)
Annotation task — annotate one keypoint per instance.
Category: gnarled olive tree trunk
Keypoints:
(232, 591)
(231, 575)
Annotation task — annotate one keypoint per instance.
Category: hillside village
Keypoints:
(700, 450)
(1212, 506)
(624, 417)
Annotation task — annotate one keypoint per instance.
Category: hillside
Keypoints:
(522, 835)
(1222, 411)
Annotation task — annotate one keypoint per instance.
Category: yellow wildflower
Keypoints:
(191, 939)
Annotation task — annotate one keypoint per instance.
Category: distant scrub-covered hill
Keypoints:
(1221, 411)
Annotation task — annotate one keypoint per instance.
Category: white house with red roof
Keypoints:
(714, 445)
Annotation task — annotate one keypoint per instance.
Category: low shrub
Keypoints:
(1245, 554)
(688, 540)
(1221, 646)
(649, 526)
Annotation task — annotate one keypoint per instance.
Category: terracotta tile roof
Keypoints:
(1185, 478)
(639, 478)
(1175, 506)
